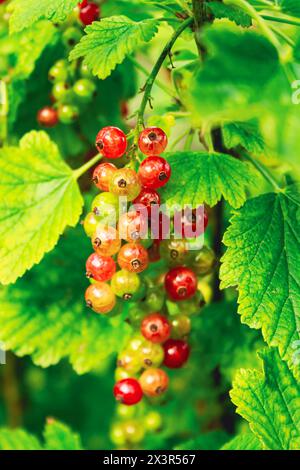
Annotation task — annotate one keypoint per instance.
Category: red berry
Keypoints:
(47, 117)
(154, 172)
(100, 268)
(133, 257)
(128, 391)
(181, 283)
(176, 353)
(148, 197)
(103, 174)
(100, 297)
(191, 222)
(152, 141)
(111, 142)
(156, 328)
(89, 12)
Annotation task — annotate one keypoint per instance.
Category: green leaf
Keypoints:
(28, 49)
(110, 40)
(246, 134)
(18, 439)
(263, 261)
(290, 7)
(242, 71)
(208, 441)
(233, 13)
(246, 441)
(233, 345)
(44, 313)
(270, 402)
(24, 14)
(57, 436)
(206, 177)
(39, 198)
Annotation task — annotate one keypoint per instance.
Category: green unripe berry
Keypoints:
(121, 374)
(68, 114)
(84, 71)
(129, 361)
(154, 300)
(134, 431)
(153, 421)
(125, 284)
(90, 222)
(181, 326)
(84, 89)
(58, 72)
(152, 354)
(106, 206)
(62, 92)
(71, 36)
(118, 434)
(124, 411)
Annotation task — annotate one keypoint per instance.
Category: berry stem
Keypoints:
(84, 168)
(280, 19)
(151, 79)
(157, 82)
(263, 171)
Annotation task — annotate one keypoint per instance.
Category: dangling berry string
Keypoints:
(160, 338)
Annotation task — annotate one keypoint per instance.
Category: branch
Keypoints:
(151, 79)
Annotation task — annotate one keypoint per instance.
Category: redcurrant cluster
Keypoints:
(73, 85)
(120, 238)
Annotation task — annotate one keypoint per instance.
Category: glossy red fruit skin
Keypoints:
(176, 353)
(192, 224)
(180, 283)
(111, 142)
(147, 197)
(153, 141)
(103, 174)
(156, 328)
(47, 117)
(100, 268)
(128, 391)
(89, 12)
(83, 3)
(133, 257)
(154, 172)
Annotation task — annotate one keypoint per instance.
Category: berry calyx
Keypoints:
(125, 182)
(133, 257)
(181, 283)
(154, 172)
(176, 353)
(100, 297)
(103, 174)
(128, 391)
(152, 141)
(111, 142)
(147, 197)
(100, 268)
(156, 328)
(47, 117)
(154, 382)
(89, 12)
